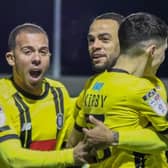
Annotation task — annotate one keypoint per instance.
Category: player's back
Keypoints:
(116, 98)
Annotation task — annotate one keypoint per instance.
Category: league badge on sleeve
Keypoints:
(154, 100)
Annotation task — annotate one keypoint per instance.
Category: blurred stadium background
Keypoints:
(67, 22)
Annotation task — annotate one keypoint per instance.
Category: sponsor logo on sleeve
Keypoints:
(154, 100)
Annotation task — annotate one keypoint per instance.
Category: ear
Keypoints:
(151, 50)
(10, 58)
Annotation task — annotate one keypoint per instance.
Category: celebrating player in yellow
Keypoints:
(129, 98)
(35, 112)
(103, 45)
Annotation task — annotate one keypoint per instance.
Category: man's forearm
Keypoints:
(143, 140)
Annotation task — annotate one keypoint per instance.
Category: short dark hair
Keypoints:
(111, 15)
(26, 27)
(140, 27)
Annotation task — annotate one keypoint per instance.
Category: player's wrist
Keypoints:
(115, 138)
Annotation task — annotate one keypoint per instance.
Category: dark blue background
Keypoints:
(76, 17)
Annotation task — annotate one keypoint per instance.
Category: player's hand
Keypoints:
(100, 136)
(80, 153)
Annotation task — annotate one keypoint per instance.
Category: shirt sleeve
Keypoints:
(144, 140)
(13, 155)
(150, 104)
(154, 108)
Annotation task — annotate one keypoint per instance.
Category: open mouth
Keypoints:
(35, 73)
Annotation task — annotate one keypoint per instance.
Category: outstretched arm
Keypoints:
(13, 155)
(143, 140)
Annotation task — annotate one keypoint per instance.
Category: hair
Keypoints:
(111, 15)
(141, 27)
(26, 27)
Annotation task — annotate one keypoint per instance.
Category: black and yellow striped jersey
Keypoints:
(39, 122)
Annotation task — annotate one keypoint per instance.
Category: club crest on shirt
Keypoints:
(154, 100)
(2, 117)
(97, 86)
(60, 120)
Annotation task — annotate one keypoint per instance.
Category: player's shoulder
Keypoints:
(129, 82)
(7, 87)
(141, 86)
(141, 82)
(5, 80)
(54, 83)
(124, 80)
(95, 77)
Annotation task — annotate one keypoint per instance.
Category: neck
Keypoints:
(135, 65)
(34, 90)
(149, 72)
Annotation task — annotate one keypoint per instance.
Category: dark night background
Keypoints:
(76, 17)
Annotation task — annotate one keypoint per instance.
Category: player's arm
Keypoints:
(80, 99)
(75, 137)
(12, 154)
(78, 104)
(77, 132)
(143, 140)
(155, 109)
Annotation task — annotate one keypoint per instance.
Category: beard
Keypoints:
(99, 69)
(105, 66)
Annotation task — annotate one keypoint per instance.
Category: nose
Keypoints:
(96, 44)
(36, 59)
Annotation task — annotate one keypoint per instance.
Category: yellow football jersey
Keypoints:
(124, 103)
(39, 122)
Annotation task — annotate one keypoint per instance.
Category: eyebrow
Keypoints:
(101, 34)
(105, 34)
(31, 47)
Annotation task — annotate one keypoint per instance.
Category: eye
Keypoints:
(91, 39)
(27, 51)
(44, 52)
(105, 39)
